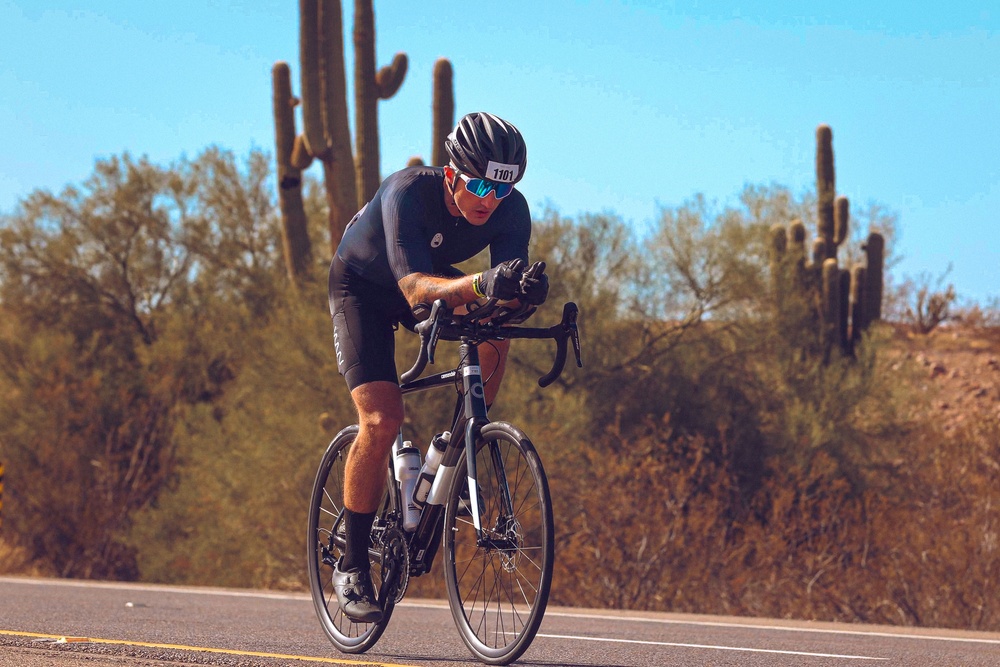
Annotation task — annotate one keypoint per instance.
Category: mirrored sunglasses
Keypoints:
(481, 187)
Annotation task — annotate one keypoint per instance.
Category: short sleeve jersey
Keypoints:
(406, 228)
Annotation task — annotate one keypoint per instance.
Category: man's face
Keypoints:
(477, 210)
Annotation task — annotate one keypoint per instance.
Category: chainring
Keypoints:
(396, 557)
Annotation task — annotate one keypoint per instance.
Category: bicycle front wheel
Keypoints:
(498, 583)
(326, 546)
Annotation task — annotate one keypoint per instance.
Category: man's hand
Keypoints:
(535, 284)
(502, 282)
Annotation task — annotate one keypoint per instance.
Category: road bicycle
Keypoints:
(495, 525)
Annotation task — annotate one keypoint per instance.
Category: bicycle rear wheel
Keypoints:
(498, 586)
(326, 546)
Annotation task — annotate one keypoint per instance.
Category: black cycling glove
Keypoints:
(502, 282)
(535, 284)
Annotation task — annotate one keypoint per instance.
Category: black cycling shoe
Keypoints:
(356, 595)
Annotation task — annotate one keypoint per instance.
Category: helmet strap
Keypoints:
(450, 187)
(450, 184)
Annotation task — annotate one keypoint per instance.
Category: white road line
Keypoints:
(709, 646)
(429, 604)
(781, 628)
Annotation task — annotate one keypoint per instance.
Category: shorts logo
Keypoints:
(336, 345)
(437, 240)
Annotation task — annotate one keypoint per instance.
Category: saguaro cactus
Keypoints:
(294, 234)
(844, 302)
(370, 87)
(327, 135)
(874, 251)
(443, 109)
(825, 188)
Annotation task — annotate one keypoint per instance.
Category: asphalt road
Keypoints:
(58, 623)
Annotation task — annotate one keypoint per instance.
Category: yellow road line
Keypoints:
(179, 647)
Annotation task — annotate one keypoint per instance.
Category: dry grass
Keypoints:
(15, 561)
(660, 526)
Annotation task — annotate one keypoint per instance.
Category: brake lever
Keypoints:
(566, 329)
(435, 332)
(429, 331)
(574, 330)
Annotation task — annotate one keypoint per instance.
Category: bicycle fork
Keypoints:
(476, 411)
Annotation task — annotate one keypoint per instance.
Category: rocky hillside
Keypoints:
(962, 365)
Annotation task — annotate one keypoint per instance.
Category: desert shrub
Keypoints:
(812, 548)
(118, 301)
(926, 302)
(639, 517)
(237, 515)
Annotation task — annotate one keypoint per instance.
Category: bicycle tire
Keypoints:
(498, 591)
(325, 505)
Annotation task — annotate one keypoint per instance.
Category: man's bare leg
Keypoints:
(380, 414)
(493, 361)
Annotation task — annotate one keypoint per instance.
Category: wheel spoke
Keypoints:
(500, 585)
(325, 511)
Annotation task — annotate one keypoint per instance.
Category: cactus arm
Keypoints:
(390, 78)
(830, 306)
(841, 219)
(294, 227)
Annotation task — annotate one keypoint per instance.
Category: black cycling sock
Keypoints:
(359, 528)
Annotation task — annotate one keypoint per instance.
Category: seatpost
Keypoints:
(475, 410)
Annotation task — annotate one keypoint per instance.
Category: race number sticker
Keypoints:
(500, 172)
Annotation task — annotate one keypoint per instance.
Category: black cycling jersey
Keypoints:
(406, 228)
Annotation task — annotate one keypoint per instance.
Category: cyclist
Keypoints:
(396, 253)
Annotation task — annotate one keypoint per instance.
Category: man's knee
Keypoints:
(380, 409)
(381, 424)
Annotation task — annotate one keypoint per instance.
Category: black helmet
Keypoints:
(485, 146)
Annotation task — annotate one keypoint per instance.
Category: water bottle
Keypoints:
(407, 465)
(435, 454)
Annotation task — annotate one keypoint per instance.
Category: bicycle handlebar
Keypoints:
(475, 327)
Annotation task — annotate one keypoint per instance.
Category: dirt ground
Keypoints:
(962, 369)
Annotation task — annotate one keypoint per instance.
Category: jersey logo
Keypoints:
(500, 172)
(437, 240)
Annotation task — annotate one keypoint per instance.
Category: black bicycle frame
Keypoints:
(466, 428)
(469, 420)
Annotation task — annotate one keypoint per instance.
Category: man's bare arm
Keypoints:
(425, 288)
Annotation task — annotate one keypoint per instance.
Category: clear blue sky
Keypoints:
(626, 105)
